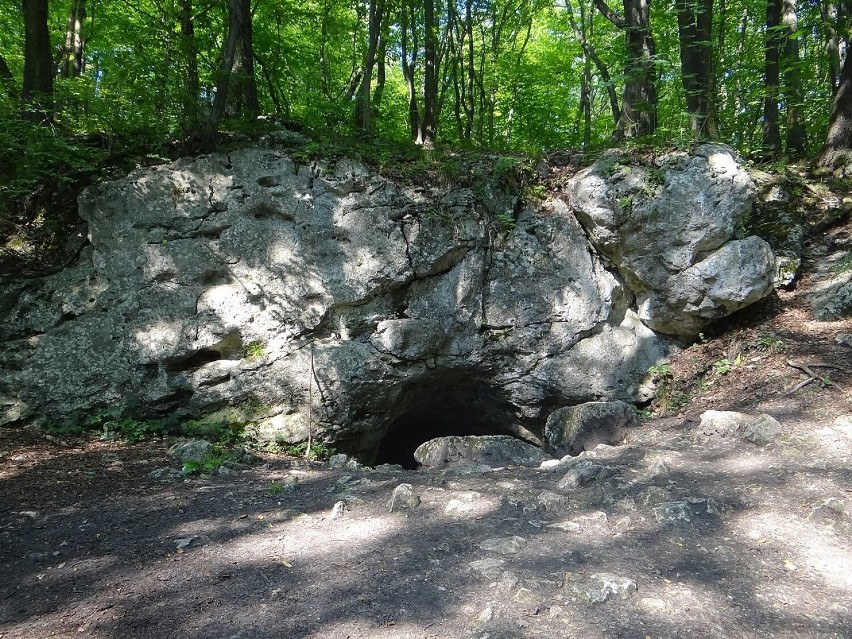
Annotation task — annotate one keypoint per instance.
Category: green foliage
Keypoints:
(227, 426)
(254, 350)
(318, 451)
(770, 344)
(505, 221)
(209, 464)
(275, 488)
(844, 264)
(625, 203)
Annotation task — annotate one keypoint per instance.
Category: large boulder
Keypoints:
(671, 228)
(475, 450)
(572, 429)
(327, 300)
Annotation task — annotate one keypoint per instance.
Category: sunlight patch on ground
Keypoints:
(804, 544)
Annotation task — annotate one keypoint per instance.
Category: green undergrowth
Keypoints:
(676, 389)
(225, 427)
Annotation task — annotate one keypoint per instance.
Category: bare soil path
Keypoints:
(693, 534)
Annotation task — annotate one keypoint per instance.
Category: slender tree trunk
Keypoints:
(837, 150)
(362, 104)
(771, 131)
(37, 88)
(430, 76)
(796, 133)
(409, 66)
(591, 54)
(381, 74)
(638, 115)
(71, 65)
(192, 91)
(236, 88)
(469, 94)
(829, 13)
(695, 27)
(8, 81)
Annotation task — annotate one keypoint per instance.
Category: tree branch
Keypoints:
(610, 15)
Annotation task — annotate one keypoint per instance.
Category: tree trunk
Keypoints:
(236, 88)
(8, 81)
(189, 50)
(591, 54)
(771, 131)
(71, 65)
(381, 74)
(37, 89)
(796, 134)
(362, 104)
(408, 68)
(837, 150)
(695, 27)
(638, 115)
(430, 76)
(829, 13)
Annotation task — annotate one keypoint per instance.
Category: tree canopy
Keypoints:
(765, 76)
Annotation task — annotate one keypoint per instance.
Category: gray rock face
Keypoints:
(403, 499)
(192, 451)
(472, 450)
(835, 302)
(291, 295)
(670, 231)
(758, 429)
(573, 429)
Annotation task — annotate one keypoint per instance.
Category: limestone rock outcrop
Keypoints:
(328, 298)
(670, 229)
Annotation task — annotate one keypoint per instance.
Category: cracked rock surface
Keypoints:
(329, 298)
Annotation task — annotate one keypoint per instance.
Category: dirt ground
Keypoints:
(694, 535)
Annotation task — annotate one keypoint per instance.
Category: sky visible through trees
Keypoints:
(509, 75)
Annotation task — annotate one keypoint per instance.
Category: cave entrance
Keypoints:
(442, 404)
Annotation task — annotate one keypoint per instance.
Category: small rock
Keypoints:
(602, 587)
(844, 339)
(552, 501)
(526, 596)
(485, 616)
(762, 430)
(567, 526)
(653, 604)
(552, 464)
(843, 423)
(403, 499)
(29, 513)
(674, 513)
(489, 568)
(624, 524)
(504, 545)
(582, 471)
(653, 496)
(226, 471)
(478, 450)
(338, 510)
(192, 451)
(166, 474)
(758, 429)
(186, 542)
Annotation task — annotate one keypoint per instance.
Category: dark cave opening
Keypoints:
(441, 405)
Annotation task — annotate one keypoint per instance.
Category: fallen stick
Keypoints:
(812, 376)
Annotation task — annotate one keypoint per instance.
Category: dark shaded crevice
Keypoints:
(440, 404)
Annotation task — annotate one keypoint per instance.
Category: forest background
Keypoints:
(90, 84)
